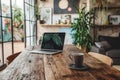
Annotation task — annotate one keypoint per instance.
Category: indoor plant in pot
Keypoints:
(81, 29)
(18, 23)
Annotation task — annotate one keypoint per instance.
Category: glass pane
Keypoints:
(28, 41)
(1, 51)
(31, 29)
(0, 31)
(34, 40)
(32, 16)
(0, 11)
(27, 11)
(18, 24)
(32, 2)
(5, 8)
(27, 1)
(17, 3)
(7, 50)
(0, 41)
(18, 46)
(18, 34)
(27, 28)
(6, 26)
(34, 28)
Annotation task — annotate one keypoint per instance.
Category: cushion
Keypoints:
(113, 53)
(113, 41)
(103, 44)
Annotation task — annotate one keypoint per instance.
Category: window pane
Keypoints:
(5, 8)
(7, 52)
(34, 40)
(30, 25)
(0, 51)
(33, 24)
(31, 29)
(18, 24)
(6, 26)
(18, 46)
(32, 16)
(27, 11)
(27, 28)
(0, 11)
(28, 41)
(17, 3)
(0, 41)
(0, 31)
(32, 2)
(27, 1)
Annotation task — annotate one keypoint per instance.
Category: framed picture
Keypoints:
(114, 19)
(65, 6)
(46, 15)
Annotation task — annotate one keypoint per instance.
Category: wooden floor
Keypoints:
(18, 46)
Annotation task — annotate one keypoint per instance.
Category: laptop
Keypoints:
(52, 43)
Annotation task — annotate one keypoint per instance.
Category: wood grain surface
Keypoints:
(29, 66)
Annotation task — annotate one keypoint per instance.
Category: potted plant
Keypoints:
(17, 17)
(18, 23)
(81, 29)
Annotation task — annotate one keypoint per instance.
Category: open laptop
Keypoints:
(52, 43)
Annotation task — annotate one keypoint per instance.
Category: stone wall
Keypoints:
(107, 31)
(102, 19)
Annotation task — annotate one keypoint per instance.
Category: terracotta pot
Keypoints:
(16, 24)
(6, 21)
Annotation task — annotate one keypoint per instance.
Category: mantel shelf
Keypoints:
(55, 25)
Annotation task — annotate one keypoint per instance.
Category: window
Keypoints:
(30, 21)
(17, 24)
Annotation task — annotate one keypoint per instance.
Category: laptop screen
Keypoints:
(53, 41)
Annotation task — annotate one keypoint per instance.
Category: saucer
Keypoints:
(84, 67)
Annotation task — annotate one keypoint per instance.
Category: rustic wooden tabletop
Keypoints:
(29, 66)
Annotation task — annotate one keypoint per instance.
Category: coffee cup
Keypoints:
(77, 59)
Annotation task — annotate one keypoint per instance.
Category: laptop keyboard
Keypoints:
(49, 50)
(46, 52)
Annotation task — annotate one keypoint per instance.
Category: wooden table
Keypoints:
(29, 66)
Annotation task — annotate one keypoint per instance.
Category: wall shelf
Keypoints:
(106, 26)
(55, 25)
(103, 27)
(100, 8)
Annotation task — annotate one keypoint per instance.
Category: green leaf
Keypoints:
(81, 27)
